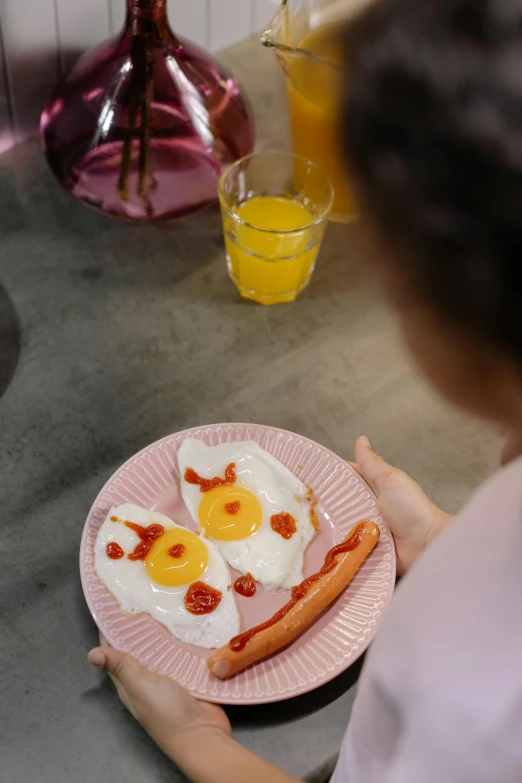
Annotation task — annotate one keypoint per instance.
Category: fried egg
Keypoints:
(258, 514)
(163, 573)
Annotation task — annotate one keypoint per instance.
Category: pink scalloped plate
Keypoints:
(337, 637)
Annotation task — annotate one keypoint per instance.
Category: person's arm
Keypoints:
(211, 757)
(411, 516)
(195, 735)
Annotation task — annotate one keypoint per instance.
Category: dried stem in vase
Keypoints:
(140, 97)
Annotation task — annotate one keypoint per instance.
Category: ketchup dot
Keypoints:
(205, 485)
(114, 551)
(284, 524)
(150, 533)
(176, 551)
(245, 585)
(141, 551)
(201, 598)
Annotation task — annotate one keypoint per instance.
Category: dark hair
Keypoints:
(432, 130)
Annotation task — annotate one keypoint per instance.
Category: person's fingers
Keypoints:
(371, 466)
(97, 658)
(122, 667)
(123, 696)
(355, 466)
(120, 690)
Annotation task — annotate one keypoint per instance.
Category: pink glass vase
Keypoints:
(145, 123)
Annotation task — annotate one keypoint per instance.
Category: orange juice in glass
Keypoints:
(275, 206)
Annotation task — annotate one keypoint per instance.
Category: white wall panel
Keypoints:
(264, 10)
(190, 19)
(6, 131)
(117, 11)
(31, 54)
(81, 25)
(230, 22)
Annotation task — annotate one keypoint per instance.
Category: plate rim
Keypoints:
(249, 701)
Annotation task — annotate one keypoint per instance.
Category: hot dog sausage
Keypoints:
(308, 600)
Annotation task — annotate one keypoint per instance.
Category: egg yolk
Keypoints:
(220, 522)
(174, 571)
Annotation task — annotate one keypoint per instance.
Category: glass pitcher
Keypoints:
(302, 33)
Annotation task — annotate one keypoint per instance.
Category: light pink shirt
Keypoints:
(440, 695)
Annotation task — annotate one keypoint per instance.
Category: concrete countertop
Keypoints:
(114, 335)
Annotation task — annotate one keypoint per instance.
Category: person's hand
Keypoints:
(194, 734)
(165, 710)
(412, 518)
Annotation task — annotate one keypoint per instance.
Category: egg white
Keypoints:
(136, 592)
(273, 561)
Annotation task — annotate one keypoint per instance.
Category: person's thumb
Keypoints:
(119, 665)
(371, 466)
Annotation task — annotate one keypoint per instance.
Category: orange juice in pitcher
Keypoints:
(313, 106)
(304, 33)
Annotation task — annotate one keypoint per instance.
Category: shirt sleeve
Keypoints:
(440, 695)
(435, 743)
(446, 746)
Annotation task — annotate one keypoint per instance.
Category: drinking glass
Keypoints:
(275, 207)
